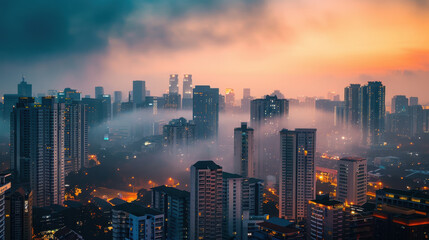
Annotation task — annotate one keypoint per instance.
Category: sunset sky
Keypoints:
(301, 47)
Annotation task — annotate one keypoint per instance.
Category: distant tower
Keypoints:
(372, 108)
(351, 104)
(414, 101)
(24, 89)
(206, 201)
(244, 151)
(206, 111)
(173, 87)
(187, 92)
(399, 104)
(352, 180)
(229, 99)
(297, 184)
(139, 92)
(99, 92)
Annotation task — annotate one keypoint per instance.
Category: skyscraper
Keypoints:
(325, 219)
(351, 104)
(139, 93)
(37, 149)
(352, 180)
(372, 100)
(266, 117)
(206, 201)
(206, 111)
(179, 136)
(24, 89)
(244, 151)
(240, 195)
(399, 104)
(415, 120)
(116, 106)
(187, 92)
(268, 111)
(19, 204)
(75, 137)
(117, 97)
(99, 92)
(174, 203)
(245, 101)
(297, 183)
(229, 99)
(414, 101)
(173, 87)
(4, 186)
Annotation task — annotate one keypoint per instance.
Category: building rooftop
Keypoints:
(136, 209)
(208, 164)
(352, 159)
(410, 193)
(227, 175)
(172, 191)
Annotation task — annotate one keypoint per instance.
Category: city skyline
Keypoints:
(320, 50)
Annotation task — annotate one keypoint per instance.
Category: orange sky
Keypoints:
(301, 47)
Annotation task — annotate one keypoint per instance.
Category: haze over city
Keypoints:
(214, 119)
(300, 47)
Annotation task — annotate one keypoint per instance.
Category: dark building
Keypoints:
(399, 104)
(99, 92)
(414, 101)
(412, 199)
(93, 111)
(325, 219)
(352, 104)
(415, 114)
(297, 183)
(392, 222)
(24, 89)
(266, 116)
(359, 222)
(206, 112)
(372, 108)
(19, 217)
(139, 93)
(68, 95)
(244, 151)
(172, 101)
(179, 136)
(175, 204)
(9, 101)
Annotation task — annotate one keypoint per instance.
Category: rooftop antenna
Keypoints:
(23, 78)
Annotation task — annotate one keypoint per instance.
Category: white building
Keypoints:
(352, 180)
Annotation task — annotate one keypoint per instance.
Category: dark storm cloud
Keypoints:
(38, 28)
(31, 29)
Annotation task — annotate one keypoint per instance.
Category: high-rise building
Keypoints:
(93, 111)
(99, 92)
(106, 106)
(75, 137)
(172, 101)
(415, 114)
(24, 89)
(206, 200)
(187, 92)
(399, 104)
(4, 186)
(266, 117)
(268, 111)
(139, 92)
(244, 151)
(37, 148)
(229, 99)
(173, 87)
(174, 203)
(134, 222)
(414, 101)
(351, 104)
(19, 217)
(9, 101)
(240, 195)
(117, 96)
(206, 111)
(297, 183)
(325, 219)
(68, 95)
(245, 101)
(372, 108)
(352, 180)
(179, 136)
